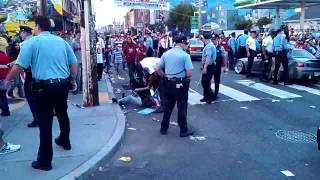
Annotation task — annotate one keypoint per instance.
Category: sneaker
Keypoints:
(9, 148)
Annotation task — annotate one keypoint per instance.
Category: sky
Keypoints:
(106, 12)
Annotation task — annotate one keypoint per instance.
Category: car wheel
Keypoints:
(239, 68)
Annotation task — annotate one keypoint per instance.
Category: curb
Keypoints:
(84, 171)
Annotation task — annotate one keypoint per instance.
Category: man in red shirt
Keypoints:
(5, 147)
(130, 54)
(224, 44)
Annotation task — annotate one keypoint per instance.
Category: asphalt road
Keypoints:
(254, 131)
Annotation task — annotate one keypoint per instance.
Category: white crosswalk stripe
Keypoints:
(235, 94)
(307, 89)
(268, 89)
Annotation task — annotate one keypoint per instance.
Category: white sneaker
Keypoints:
(9, 148)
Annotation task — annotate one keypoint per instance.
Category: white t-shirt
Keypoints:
(251, 43)
(100, 45)
(268, 43)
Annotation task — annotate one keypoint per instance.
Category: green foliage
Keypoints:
(263, 21)
(180, 16)
(243, 24)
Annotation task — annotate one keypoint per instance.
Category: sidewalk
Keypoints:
(96, 134)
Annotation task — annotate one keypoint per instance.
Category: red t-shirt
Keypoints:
(143, 50)
(224, 43)
(4, 60)
(130, 52)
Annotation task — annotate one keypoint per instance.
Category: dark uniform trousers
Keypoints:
(266, 65)
(29, 94)
(206, 82)
(242, 52)
(281, 58)
(49, 96)
(217, 74)
(250, 61)
(175, 92)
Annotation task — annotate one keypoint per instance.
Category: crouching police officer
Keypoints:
(208, 68)
(178, 67)
(52, 62)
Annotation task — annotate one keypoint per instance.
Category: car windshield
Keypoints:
(196, 42)
(300, 53)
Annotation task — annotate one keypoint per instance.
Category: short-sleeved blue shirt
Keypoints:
(49, 56)
(175, 62)
(209, 51)
(242, 40)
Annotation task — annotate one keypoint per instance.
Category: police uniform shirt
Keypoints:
(242, 40)
(49, 56)
(251, 43)
(175, 62)
(209, 51)
(268, 43)
(233, 44)
(277, 42)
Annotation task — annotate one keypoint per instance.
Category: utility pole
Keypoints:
(200, 16)
(89, 59)
(43, 7)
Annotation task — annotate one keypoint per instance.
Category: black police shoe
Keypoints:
(318, 138)
(37, 165)
(186, 134)
(65, 146)
(33, 124)
(163, 132)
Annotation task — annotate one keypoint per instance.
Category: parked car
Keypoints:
(302, 65)
(195, 47)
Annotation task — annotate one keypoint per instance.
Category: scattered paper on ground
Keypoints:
(197, 138)
(100, 168)
(133, 129)
(287, 173)
(313, 107)
(78, 105)
(155, 119)
(275, 100)
(244, 107)
(146, 111)
(290, 100)
(118, 91)
(126, 159)
(121, 78)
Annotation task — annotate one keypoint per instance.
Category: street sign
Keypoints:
(194, 22)
(143, 4)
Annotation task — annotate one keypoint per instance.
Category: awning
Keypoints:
(271, 4)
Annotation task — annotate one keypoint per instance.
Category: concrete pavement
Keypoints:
(245, 139)
(96, 133)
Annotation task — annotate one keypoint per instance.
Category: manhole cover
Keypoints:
(296, 136)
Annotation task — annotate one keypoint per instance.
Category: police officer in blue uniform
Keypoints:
(220, 58)
(241, 44)
(280, 43)
(52, 63)
(177, 65)
(26, 34)
(208, 68)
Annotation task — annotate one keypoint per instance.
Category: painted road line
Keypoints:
(304, 88)
(235, 94)
(194, 97)
(267, 89)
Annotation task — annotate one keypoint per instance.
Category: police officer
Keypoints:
(251, 51)
(178, 67)
(267, 54)
(26, 34)
(208, 68)
(52, 63)
(241, 44)
(221, 56)
(280, 43)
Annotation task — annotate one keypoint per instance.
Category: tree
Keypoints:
(180, 16)
(243, 24)
(263, 21)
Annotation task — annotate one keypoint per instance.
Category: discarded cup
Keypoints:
(126, 159)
